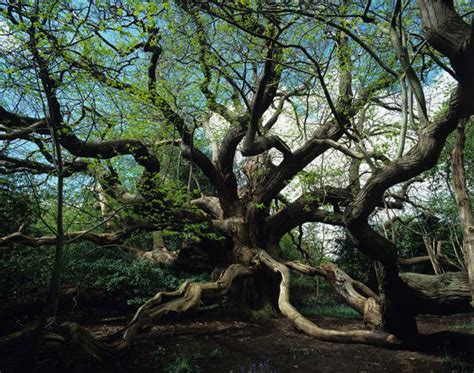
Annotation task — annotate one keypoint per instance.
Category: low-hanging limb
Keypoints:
(443, 294)
(187, 297)
(354, 293)
(85, 235)
(373, 337)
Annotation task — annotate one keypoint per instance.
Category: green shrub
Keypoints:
(25, 270)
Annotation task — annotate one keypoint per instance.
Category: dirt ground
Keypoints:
(216, 343)
(236, 346)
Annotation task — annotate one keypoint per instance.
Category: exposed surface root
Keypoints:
(359, 336)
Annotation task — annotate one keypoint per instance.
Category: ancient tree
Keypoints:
(251, 94)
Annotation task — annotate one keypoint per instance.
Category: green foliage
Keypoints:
(98, 57)
(117, 272)
(313, 307)
(304, 287)
(164, 201)
(353, 262)
(24, 270)
(27, 270)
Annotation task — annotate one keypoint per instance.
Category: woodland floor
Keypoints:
(213, 343)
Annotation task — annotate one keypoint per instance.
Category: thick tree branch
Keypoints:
(86, 235)
(448, 33)
(89, 149)
(13, 165)
(354, 293)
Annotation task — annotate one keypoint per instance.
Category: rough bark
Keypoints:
(444, 294)
(160, 255)
(446, 31)
(88, 235)
(187, 297)
(421, 157)
(249, 226)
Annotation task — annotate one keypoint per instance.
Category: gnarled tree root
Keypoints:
(72, 340)
(372, 337)
(354, 293)
(187, 297)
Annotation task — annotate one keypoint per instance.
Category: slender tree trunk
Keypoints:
(55, 281)
(463, 201)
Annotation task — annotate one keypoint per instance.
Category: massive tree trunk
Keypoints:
(243, 215)
(446, 31)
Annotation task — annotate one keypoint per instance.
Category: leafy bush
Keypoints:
(26, 270)
(117, 272)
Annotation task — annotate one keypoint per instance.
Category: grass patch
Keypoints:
(329, 310)
(183, 364)
(467, 327)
